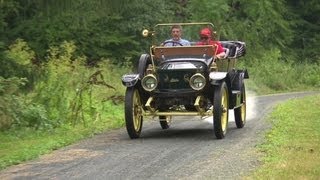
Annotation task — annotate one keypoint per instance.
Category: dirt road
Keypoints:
(187, 150)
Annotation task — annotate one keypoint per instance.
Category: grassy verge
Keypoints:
(26, 143)
(292, 148)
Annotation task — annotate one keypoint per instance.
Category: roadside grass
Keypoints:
(292, 147)
(27, 143)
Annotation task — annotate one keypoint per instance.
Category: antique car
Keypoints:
(185, 81)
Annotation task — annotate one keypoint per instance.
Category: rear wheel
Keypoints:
(133, 112)
(165, 121)
(220, 110)
(240, 112)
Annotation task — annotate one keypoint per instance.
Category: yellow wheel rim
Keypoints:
(224, 113)
(136, 111)
(243, 111)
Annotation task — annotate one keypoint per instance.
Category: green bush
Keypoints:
(19, 61)
(271, 73)
(72, 92)
(68, 92)
(9, 101)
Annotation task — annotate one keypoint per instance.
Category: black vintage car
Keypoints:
(186, 81)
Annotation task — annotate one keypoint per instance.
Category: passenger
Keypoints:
(206, 39)
(176, 40)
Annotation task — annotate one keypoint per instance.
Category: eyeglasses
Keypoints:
(204, 38)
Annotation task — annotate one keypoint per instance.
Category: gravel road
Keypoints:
(187, 150)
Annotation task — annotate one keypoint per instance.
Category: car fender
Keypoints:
(217, 75)
(129, 80)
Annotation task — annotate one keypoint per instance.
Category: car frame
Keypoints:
(186, 81)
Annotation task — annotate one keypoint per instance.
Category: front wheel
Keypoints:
(133, 112)
(220, 110)
(240, 112)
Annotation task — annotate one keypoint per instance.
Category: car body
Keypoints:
(186, 81)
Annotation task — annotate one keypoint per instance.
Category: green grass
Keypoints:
(292, 147)
(26, 143)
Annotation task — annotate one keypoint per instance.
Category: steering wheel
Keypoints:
(173, 43)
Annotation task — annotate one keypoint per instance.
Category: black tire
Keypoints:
(165, 121)
(133, 113)
(221, 110)
(240, 112)
(144, 61)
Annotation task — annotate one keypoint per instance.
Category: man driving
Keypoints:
(176, 40)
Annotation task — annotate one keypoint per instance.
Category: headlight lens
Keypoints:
(197, 82)
(149, 82)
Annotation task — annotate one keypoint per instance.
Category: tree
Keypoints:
(110, 29)
(255, 22)
(306, 29)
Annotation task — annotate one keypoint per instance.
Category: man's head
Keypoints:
(176, 32)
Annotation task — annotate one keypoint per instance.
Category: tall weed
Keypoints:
(73, 93)
(66, 92)
(10, 107)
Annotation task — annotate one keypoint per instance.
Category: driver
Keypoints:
(176, 40)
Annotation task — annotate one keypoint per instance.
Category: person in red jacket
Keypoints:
(206, 39)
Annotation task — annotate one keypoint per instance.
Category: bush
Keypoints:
(72, 92)
(9, 106)
(271, 73)
(68, 91)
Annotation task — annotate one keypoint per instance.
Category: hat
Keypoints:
(205, 32)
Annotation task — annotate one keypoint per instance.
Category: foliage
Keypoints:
(17, 60)
(111, 29)
(306, 29)
(8, 100)
(67, 92)
(99, 28)
(21, 53)
(271, 74)
(16, 110)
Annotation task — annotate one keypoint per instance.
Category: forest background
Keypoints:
(61, 60)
